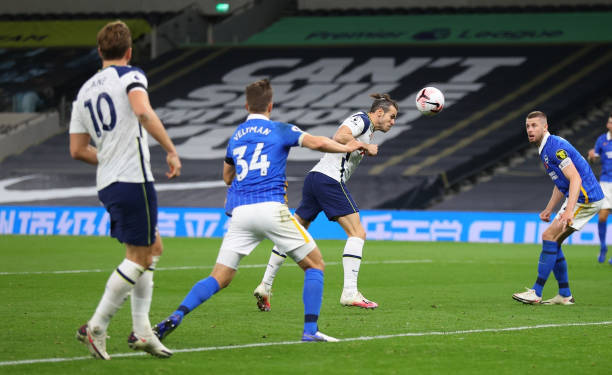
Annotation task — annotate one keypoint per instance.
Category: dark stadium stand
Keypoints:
(197, 92)
(416, 162)
(48, 72)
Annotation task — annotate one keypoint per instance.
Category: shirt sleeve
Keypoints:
(77, 125)
(292, 135)
(356, 124)
(134, 80)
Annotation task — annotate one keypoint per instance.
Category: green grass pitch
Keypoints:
(445, 308)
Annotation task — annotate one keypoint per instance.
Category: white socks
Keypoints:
(141, 300)
(276, 260)
(119, 284)
(351, 260)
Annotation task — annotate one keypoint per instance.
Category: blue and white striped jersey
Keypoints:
(557, 153)
(603, 149)
(102, 109)
(258, 149)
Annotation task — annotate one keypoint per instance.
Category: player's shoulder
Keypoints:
(357, 118)
(602, 138)
(125, 69)
(559, 141)
(285, 127)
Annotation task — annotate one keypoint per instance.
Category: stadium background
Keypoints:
(466, 175)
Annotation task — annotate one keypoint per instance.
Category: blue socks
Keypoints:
(560, 271)
(201, 291)
(548, 258)
(602, 225)
(312, 297)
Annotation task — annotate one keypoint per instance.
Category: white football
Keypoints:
(429, 101)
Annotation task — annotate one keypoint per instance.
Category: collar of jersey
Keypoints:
(256, 116)
(544, 139)
(608, 136)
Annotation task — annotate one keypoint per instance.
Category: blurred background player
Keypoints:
(573, 180)
(111, 108)
(254, 167)
(325, 190)
(603, 152)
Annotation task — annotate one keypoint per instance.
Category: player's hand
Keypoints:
(566, 219)
(355, 145)
(174, 165)
(372, 149)
(545, 216)
(591, 155)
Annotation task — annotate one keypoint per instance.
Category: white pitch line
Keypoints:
(361, 338)
(178, 268)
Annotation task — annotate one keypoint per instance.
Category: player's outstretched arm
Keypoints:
(343, 135)
(324, 144)
(139, 100)
(80, 149)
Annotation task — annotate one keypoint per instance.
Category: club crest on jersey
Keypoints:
(561, 154)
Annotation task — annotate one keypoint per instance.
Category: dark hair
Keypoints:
(114, 39)
(535, 114)
(258, 96)
(383, 101)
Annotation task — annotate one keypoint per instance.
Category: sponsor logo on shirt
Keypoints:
(561, 154)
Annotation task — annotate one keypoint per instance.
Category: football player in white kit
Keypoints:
(111, 109)
(325, 190)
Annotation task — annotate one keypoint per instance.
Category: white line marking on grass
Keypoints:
(361, 338)
(179, 268)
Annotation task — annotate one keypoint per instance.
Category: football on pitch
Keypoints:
(429, 101)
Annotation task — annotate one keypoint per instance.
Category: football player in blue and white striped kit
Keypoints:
(574, 180)
(254, 168)
(603, 152)
(325, 190)
(112, 108)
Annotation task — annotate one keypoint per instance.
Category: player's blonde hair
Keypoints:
(114, 39)
(382, 101)
(535, 114)
(258, 96)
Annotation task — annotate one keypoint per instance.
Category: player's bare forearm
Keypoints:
(139, 100)
(324, 144)
(153, 125)
(80, 149)
(571, 173)
(229, 172)
(554, 200)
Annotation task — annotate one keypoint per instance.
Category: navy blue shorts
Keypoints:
(323, 193)
(133, 211)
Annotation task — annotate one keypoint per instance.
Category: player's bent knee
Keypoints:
(223, 274)
(314, 259)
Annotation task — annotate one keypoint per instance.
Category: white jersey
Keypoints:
(102, 109)
(340, 167)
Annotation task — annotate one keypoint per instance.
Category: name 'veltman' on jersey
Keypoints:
(258, 150)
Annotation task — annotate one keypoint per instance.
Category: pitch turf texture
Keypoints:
(444, 308)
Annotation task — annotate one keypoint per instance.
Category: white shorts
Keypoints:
(583, 212)
(251, 223)
(607, 190)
